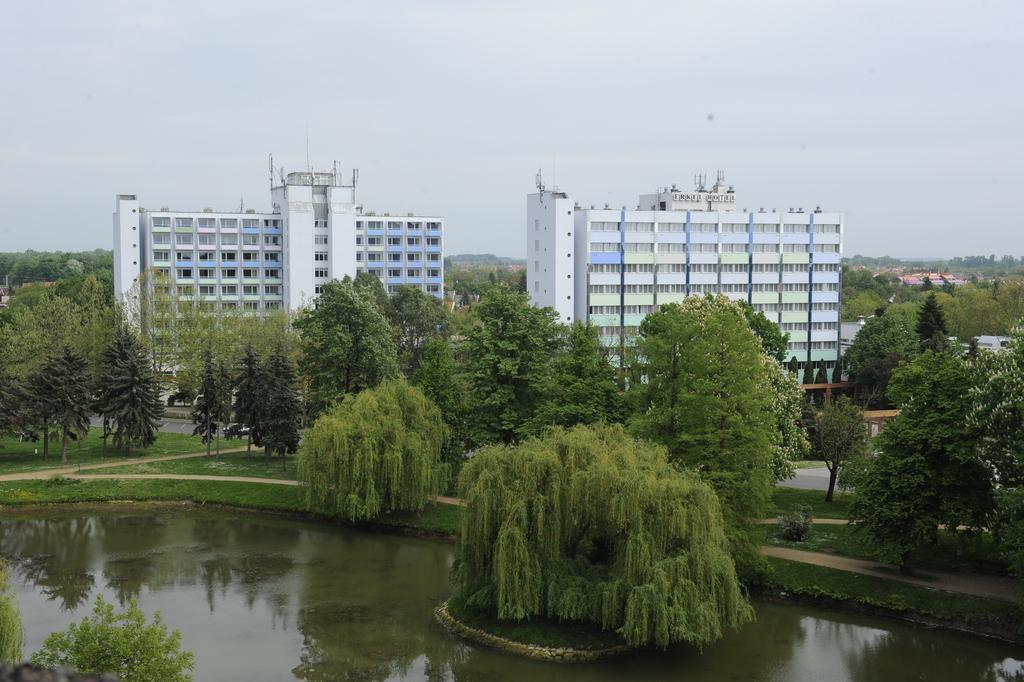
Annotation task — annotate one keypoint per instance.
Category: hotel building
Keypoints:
(262, 261)
(611, 267)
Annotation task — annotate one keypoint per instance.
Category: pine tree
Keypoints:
(282, 405)
(837, 370)
(207, 407)
(794, 366)
(822, 375)
(808, 373)
(248, 396)
(225, 390)
(931, 323)
(67, 383)
(128, 392)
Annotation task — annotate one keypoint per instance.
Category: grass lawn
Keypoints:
(16, 457)
(807, 463)
(436, 518)
(786, 499)
(822, 582)
(228, 464)
(537, 631)
(952, 552)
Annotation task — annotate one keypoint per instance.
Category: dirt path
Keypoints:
(822, 522)
(978, 585)
(182, 477)
(65, 471)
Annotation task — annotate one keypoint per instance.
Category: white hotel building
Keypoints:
(261, 261)
(612, 267)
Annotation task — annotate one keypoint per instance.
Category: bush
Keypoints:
(60, 481)
(796, 525)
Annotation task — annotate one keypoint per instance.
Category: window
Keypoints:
(599, 226)
(412, 273)
(434, 272)
(766, 227)
(394, 273)
(250, 257)
(794, 248)
(271, 290)
(271, 273)
(207, 290)
(207, 239)
(252, 305)
(639, 227)
(604, 247)
(250, 239)
(359, 257)
(671, 227)
(434, 257)
(206, 255)
(183, 256)
(320, 239)
(433, 241)
(250, 223)
(229, 273)
(229, 290)
(230, 239)
(205, 273)
(826, 248)
(320, 256)
(161, 238)
(184, 273)
(272, 305)
(393, 225)
(271, 240)
(208, 223)
(394, 241)
(433, 226)
(734, 248)
(251, 290)
(434, 288)
(375, 224)
(320, 272)
(671, 248)
(373, 241)
(272, 223)
(766, 248)
(183, 222)
(267, 257)
(228, 256)
(703, 227)
(393, 257)
(161, 256)
(229, 223)
(318, 290)
(376, 257)
(183, 238)
(734, 227)
(161, 222)
(250, 273)
(413, 241)
(790, 227)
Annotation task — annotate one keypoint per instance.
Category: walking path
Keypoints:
(991, 587)
(975, 584)
(74, 469)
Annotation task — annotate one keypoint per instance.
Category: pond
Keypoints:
(261, 598)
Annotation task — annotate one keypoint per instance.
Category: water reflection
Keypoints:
(260, 598)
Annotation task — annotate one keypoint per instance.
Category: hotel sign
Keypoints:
(704, 196)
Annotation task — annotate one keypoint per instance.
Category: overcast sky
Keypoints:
(907, 116)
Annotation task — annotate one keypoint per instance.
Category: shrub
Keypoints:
(796, 525)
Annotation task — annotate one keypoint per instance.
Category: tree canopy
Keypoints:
(881, 344)
(128, 392)
(838, 434)
(773, 340)
(708, 397)
(417, 318)
(375, 452)
(590, 525)
(347, 344)
(931, 323)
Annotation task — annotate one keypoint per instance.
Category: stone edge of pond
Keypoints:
(531, 651)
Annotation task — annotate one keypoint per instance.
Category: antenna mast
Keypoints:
(271, 171)
(539, 181)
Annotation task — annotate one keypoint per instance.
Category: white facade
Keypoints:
(256, 261)
(551, 248)
(626, 263)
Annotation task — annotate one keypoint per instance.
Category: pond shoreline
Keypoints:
(775, 593)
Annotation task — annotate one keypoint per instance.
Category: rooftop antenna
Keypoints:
(334, 173)
(539, 181)
(309, 168)
(241, 200)
(271, 171)
(554, 172)
(355, 181)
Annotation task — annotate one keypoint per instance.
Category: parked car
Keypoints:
(236, 431)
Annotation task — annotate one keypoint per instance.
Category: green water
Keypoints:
(268, 599)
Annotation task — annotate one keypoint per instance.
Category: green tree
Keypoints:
(120, 643)
(206, 411)
(282, 413)
(66, 383)
(11, 403)
(508, 356)
(708, 398)
(794, 366)
(438, 377)
(927, 471)
(249, 392)
(347, 345)
(997, 410)
(582, 387)
(880, 346)
(128, 392)
(12, 635)
(370, 286)
(773, 340)
(838, 435)
(821, 376)
(376, 452)
(808, 373)
(417, 318)
(931, 323)
(589, 525)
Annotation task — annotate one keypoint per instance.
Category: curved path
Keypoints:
(71, 470)
(975, 584)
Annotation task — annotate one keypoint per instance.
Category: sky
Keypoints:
(906, 116)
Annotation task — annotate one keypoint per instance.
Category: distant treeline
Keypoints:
(980, 265)
(52, 266)
(481, 260)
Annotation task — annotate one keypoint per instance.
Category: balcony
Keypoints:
(207, 263)
(433, 249)
(375, 232)
(395, 248)
(229, 264)
(271, 230)
(266, 264)
(183, 264)
(375, 264)
(250, 230)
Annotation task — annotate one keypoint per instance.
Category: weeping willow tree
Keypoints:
(590, 525)
(376, 452)
(12, 636)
